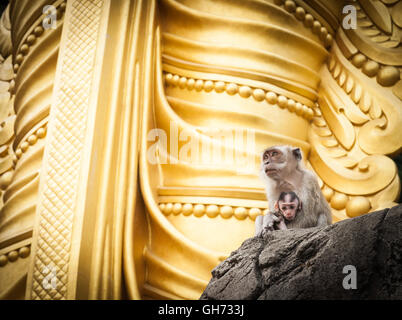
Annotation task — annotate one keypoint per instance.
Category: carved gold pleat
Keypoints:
(244, 91)
(86, 106)
(32, 94)
(357, 123)
(35, 52)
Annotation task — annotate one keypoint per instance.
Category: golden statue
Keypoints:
(131, 132)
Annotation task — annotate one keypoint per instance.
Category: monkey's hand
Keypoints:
(269, 222)
(282, 225)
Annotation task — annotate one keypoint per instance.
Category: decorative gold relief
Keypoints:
(60, 174)
(105, 123)
(377, 36)
(14, 259)
(210, 210)
(34, 60)
(13, 255)
(357, 120)
(308, 20)
(244, 91)
(7, 115)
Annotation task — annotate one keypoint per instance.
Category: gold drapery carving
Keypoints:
(274, 72)
(33, 62)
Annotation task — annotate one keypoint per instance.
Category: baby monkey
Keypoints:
(286, 208)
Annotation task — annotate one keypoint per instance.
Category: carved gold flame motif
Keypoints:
(131, 132)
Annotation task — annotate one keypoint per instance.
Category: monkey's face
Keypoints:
(288, 208)
(273, 162)
(277, 160)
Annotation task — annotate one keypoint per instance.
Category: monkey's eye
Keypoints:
(274, 153)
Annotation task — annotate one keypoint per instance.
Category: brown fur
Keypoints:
(290, 175)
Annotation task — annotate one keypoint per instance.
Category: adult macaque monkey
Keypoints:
(283, 171)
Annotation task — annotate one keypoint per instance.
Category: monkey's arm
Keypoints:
(269, 221)
(323, 220)
(320, 207)
(281, 225)
(325, 216)
(258, 225)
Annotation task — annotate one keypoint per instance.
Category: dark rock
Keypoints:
(309, 263)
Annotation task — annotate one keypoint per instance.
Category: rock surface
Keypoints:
(309, 263)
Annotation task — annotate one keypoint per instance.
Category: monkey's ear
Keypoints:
(300, 205)
(276, 206)
(297, 153)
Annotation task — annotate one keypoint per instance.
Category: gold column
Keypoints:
(117, 214)
(34, 58)
(62, 191)
(88, 182)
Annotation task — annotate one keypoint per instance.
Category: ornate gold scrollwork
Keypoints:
(140, 79)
